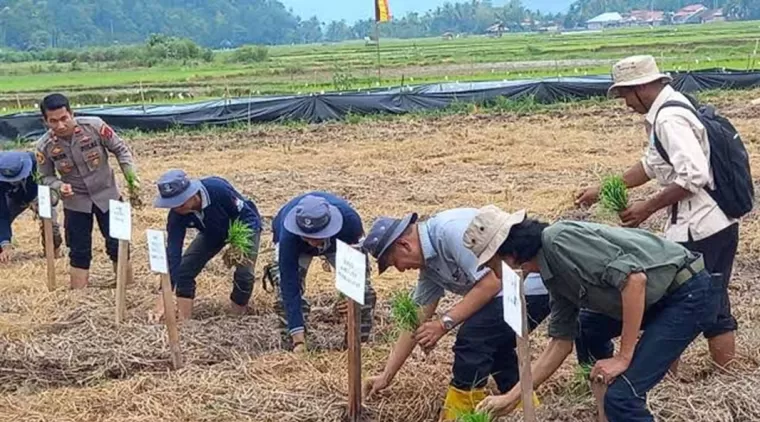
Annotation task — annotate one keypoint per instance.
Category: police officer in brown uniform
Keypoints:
(72, 158)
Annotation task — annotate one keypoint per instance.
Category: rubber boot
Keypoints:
(79, 278)
(459, 401)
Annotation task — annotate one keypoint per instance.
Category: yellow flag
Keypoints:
(382, 11)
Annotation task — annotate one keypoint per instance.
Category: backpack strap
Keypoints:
(661, 149)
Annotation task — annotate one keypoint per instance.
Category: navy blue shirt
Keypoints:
(292, 246)
(221, 204)
(24, 192)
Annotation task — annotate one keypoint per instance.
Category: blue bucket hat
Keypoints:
(175, 187)
(384, 232)
(314, 217)
(15, 166)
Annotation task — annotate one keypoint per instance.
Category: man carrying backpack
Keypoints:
(700, 161)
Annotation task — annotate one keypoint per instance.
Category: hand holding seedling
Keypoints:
(587, 197)
(428, 334)
(498, 405)
(636, 214)
(375, 385)
(66, 190)
(609, 369)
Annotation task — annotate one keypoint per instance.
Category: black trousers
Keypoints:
(719, 251)
(78, 227)
(485, 345)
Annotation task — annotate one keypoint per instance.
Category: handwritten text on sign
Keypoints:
(120, 220)
(350, 272)
(512, 300)
(43, 201)
(157, 251)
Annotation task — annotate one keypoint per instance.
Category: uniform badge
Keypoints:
(40, 157)
(106, 132)
(239, 203)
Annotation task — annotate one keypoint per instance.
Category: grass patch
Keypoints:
(404, 311)
(473, 416)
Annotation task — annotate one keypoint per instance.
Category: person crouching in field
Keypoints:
(308, 226)
(208, 205)
(624, 280)
(18, 192)
(485, 344)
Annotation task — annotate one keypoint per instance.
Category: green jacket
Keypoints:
(585, 265)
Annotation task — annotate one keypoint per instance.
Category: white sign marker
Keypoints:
(44, 203)
(120, 220)
(350, 272)
(512, 301)
(157, 251)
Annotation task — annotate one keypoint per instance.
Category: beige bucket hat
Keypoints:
(635, 71)
(488, 230)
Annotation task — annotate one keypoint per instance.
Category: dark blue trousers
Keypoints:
(669, 327)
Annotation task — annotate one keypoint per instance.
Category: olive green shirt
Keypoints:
(585, 265)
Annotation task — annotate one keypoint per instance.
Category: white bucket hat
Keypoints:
(635, 71)
(488, 230)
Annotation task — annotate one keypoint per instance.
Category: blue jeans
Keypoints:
(669, 327)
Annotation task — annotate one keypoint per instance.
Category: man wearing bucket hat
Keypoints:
(72, 157)
(309, 225)
(208, 205)
(633, 279)
(678, 157)
(485, 344)
(18, 191)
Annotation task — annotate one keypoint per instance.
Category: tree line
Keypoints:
(38, 27)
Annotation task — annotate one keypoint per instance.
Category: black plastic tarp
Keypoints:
(336, 105)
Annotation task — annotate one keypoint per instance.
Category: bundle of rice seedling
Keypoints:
(239, 245)
(580, 386)
(134, 189)
(473, 416)
(613, 194)
(404, 311)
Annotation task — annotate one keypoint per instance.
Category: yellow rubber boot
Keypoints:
(458, 401)
(536, 402)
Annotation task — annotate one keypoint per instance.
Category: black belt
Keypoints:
(686, 273)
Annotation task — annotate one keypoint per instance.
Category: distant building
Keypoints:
(689, 14)
(709, 16)
(647, 17)
(605, 20)
(496, 29)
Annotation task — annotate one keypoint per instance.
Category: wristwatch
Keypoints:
(448, 322)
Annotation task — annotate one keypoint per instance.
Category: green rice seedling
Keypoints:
(473, 416)
(133, 188)
(37, 177)
(239, 244)
(613, 194)
(580, 385)
(404, 311)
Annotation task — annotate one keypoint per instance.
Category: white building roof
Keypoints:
(608, 17)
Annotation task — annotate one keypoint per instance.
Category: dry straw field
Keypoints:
(62, 358)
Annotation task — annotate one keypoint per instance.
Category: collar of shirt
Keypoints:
(428, 250)
(661, 99)
(205, 202)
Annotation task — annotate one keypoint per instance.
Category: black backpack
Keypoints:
(734, 191)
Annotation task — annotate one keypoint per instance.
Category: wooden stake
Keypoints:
(354, 363)
(121, 280)
(523, 357)
(47, 225)
(170, 317)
